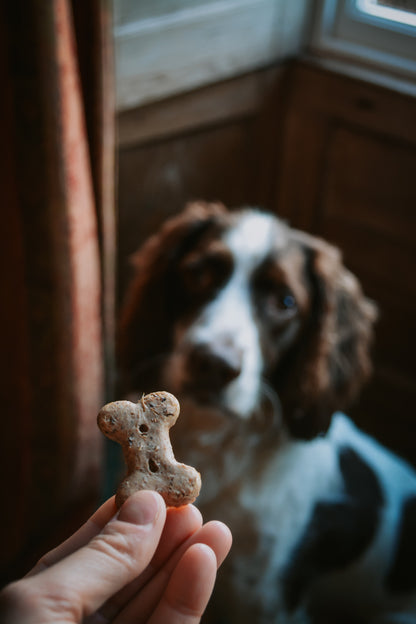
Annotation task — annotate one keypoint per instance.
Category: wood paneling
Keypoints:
(218, 104)
(211, 144)
(368, 183)
(348, 161)
(158, 179)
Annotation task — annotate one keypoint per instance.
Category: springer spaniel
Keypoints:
(263, 335)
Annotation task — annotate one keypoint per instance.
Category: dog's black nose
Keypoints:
(213, 366)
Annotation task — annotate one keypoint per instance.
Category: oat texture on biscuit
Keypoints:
(142, 429)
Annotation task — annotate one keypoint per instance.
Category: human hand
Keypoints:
(142, 564)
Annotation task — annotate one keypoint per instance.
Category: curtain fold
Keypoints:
(57, 266)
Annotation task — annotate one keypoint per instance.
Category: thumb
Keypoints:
(113, 558)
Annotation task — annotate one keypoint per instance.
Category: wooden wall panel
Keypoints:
(157, 180)
(369, 183)
(347, 174)
(213, 144)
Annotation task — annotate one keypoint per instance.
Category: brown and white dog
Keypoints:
(263, 335)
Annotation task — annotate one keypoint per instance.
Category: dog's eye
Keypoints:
(282, 302)
(203, 275)
(279, 304)
(276, 299)
(287, 301)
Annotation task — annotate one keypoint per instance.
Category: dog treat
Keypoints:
(142, 429)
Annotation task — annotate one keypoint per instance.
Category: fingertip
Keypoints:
(190, 512)
(223, 528)
(195, 511)
(142, 508)
(223, 539)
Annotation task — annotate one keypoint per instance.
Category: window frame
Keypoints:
(343, 32)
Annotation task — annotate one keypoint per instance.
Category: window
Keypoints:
(377, 33)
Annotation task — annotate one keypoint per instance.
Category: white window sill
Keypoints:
(170, 53)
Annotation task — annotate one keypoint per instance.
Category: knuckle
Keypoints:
(118, 546)
(182, 606)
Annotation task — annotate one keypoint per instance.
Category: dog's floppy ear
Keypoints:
(145, 326)
(333, 358)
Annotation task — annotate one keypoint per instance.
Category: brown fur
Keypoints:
(333, 361)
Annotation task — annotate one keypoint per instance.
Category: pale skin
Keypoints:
(141, 564)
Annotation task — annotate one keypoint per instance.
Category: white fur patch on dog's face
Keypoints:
(229, 317)
(249, 243)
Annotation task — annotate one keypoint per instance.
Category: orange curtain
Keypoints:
(56, 267)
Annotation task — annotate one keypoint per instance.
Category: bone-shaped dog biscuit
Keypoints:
(142, 429)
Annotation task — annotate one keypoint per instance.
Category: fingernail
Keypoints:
(141, 508)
